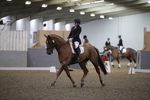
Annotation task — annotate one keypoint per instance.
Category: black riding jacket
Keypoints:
(107, 43)
(120, 42)
(75, 34)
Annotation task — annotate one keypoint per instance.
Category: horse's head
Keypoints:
(49, 44)
(106, 48)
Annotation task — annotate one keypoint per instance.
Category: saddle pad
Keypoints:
(81, 48)
(124, 50)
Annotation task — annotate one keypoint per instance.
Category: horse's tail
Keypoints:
(101, 64)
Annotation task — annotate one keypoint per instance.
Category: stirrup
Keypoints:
(78, 59)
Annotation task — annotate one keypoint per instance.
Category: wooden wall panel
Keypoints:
(146, 40)
(40, 39)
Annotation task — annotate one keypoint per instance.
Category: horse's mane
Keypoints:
(58, 37)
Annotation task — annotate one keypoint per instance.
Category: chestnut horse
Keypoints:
(128, 53)
(66, 58)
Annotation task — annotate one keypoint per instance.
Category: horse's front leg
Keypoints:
(111, 60)
(119, 66)
(130, 61)
(85, 71)
(57, 75)
(69, 76)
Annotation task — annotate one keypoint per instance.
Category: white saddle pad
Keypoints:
(124, 50)
(81, 47)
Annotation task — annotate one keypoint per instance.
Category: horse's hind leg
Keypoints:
(57, 75)
(95, 63)
(119, 66)
(111, 60)
(85, 71)
(68, 74)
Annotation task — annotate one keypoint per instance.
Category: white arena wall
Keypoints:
(130, 27)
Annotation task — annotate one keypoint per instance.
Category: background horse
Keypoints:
(66, 57)
(128, 53)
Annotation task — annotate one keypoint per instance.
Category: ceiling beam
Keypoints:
(111, 10)
(102, 8)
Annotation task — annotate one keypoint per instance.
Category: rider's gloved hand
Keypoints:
(70, 39)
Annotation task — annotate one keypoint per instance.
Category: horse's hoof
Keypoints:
(74, 86)
(52, 84)
(128, 66)
(103, 84)
(70, 69)
(82, 84)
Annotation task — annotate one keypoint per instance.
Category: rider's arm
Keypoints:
(76, 34)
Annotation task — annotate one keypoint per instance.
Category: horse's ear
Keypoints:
(45, 35)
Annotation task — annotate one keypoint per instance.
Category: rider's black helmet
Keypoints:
(77, 21)
(84, 37)
(119, 36)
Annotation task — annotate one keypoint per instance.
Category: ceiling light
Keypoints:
(28, 2)
(59, 8)
(74, 0)
(98, 1)
(148, 1)
(82, 13)
(92, 14)
(71, 10)
(87, 3)
(44, 5)
(110, 4)
(110, 18)
(102, 16)
(8, 0)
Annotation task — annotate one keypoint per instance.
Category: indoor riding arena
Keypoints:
(41, 57)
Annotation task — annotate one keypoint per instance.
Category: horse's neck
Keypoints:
(112, 48)
(59, 42)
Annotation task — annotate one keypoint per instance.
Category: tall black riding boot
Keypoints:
(77, 50)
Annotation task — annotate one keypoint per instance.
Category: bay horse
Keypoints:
(66, 56)
(128, 53)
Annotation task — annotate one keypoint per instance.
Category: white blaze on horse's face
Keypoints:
(53, 41)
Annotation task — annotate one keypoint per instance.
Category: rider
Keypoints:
(107, 43)
(120, 44)
(85, 39)
(74, 36)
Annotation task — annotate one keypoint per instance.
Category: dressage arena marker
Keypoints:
(53, 69)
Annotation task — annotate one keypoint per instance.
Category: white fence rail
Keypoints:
(13, 40)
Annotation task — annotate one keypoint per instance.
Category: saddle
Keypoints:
(80, 47)
(123, 50)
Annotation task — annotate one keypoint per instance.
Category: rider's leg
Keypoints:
(77, 50)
